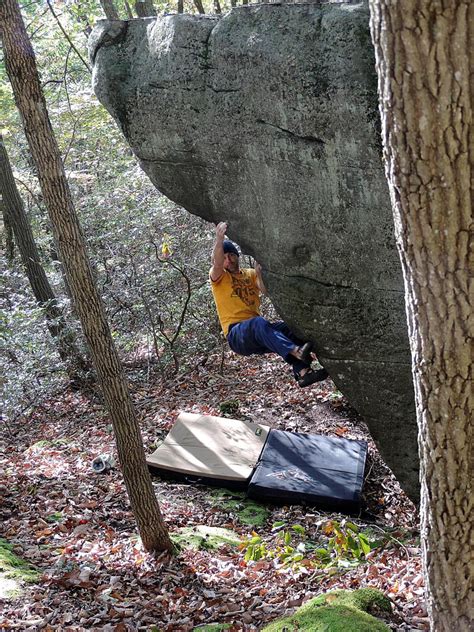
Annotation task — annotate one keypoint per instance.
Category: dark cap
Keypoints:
(229, 246)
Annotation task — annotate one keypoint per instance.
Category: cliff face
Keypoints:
(267, 118)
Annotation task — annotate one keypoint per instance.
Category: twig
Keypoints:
(67, 37)
(407, 553)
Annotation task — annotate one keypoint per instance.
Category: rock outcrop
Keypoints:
(268, 118)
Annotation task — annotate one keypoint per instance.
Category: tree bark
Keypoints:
(424, 56)
(144, 8)
(21, 68)
(16, 217)
(109, 9)
(8, 228)
(199, 6)
(129, 10)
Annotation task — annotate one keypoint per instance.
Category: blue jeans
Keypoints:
(259, 336)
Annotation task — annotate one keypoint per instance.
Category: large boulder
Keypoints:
(267, 118)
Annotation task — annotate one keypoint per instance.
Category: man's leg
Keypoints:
(296, 364)
(257, 335)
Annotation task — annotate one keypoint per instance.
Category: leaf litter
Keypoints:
(76, 528)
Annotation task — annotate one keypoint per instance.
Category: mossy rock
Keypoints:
(337, 611)
(204, 537)
(246, 511)
(13, 572)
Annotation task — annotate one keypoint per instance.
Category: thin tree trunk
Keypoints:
(425, 55)
(16, 217)
(199, 6)
(144, 8)
(109, 9)
(180, 6)
(217, 7)
(9, 241)
(128, 9)
(21, 68)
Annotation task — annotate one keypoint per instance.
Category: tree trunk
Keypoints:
(424, 56)
(16, 217)
(21, 68)
(144, 8)
(109, 9)
(128, 9)
(9, 241)
(217, 7)
(180, 6)
(199, 6)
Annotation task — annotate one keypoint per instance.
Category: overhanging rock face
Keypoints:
(267, 118)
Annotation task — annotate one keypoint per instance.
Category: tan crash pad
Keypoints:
(211, 447)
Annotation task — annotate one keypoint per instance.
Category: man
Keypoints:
(237, 296)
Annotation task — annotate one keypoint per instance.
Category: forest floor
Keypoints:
(76, 529)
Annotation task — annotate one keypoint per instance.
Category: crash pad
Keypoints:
(297, 467)
(210, 449)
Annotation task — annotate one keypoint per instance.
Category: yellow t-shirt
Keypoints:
(237, 297)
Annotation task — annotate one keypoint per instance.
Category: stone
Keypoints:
(338, 611)
(267, 118)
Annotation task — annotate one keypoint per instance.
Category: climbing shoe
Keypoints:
(311, 377)
(304, 353)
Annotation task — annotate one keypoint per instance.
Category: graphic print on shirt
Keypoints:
(244, 288)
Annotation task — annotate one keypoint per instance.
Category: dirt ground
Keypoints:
(76, 528)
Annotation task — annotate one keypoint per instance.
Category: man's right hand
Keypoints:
(221, 230)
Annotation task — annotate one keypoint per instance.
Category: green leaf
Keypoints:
(278, 524)
(364, 543)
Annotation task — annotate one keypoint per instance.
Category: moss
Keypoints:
(246, 511)
(337, 611)
(14, 571)
(203, 537)
(229, 407)
(45, 443)
(57, 516)
(213, 627)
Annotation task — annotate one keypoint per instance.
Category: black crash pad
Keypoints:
(296, 467)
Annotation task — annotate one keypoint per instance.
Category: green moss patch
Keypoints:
(13, 571)
(213, 627)
(246, 511)
(204, 537)
(46, 443)
(338, 611)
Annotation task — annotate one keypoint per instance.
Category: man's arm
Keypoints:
(260, 283)
(217, 269)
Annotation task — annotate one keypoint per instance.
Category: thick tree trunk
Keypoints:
(425, 54)
(16, 217)
(23, 74)
(109, 9)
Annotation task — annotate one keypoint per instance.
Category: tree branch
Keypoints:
(67, 37)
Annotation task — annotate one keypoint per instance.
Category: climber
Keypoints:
(237, 296)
